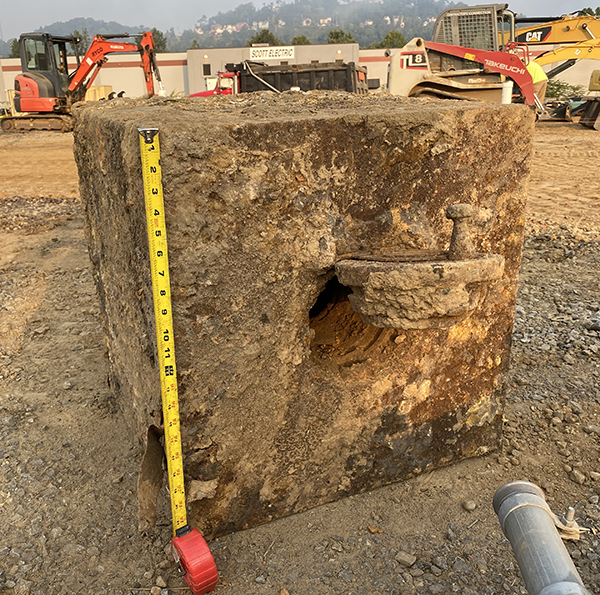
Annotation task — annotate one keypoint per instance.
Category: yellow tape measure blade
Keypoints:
(161, 292)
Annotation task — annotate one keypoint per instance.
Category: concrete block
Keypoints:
(289, 399)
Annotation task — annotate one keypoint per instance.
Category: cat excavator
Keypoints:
(581, 34)
(577, 35)
(45, 91)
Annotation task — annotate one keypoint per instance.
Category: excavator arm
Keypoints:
(588, 50)
(568, 29)
(502, 62)
(96, 57)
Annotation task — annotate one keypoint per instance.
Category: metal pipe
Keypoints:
(529, 525)
(258, 78)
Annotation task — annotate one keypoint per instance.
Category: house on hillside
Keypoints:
(259, 25)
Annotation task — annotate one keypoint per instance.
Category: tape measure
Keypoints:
(188, 547)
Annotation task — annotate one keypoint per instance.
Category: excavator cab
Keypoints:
(45, 71)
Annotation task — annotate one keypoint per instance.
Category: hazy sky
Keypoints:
(182, 14)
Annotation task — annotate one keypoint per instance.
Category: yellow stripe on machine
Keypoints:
(161, 291)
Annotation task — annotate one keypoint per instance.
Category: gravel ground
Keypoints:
(67, 488)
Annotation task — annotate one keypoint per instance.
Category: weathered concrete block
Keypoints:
(288, 398)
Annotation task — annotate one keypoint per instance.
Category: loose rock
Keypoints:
(405, 559)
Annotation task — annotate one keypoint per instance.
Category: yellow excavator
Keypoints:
(577, 36)
(581, 34)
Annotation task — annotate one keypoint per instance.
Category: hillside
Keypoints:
(367, 20)
(81, 25)
(93, 27)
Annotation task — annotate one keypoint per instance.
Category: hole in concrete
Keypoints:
(339, 332)
(333, 293)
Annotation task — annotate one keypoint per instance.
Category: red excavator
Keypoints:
(46, 90)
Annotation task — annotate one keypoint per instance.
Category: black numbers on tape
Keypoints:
(152, 169)
(159, 253)
(168, 370)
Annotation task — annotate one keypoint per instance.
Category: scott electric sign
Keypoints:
(272, 53)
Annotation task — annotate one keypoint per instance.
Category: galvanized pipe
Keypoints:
(528, 523)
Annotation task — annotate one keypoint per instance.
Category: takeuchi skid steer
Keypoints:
(453, 72)
(465, 60)
(46, 90)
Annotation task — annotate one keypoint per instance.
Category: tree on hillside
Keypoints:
(195, 45)
(589, 12)
(160, 41)
(14, 49)
(339, 36)
(392, 39)
(265, 36)
(84, 41)
(300, 40)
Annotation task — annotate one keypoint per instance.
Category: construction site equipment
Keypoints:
(490, 27)
(465, 59)
(553, 30)
(590, 113)
(447, 71)
(45, 90)
(188, 546)
(249, 77)
(473, 26)
(569, 55)
(480, 27)
(533, 532)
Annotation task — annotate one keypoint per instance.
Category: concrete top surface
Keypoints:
(266, 106)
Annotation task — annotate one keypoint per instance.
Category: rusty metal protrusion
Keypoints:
(461, 244)
(415, 290)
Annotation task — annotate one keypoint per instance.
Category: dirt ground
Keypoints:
(68, 515)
